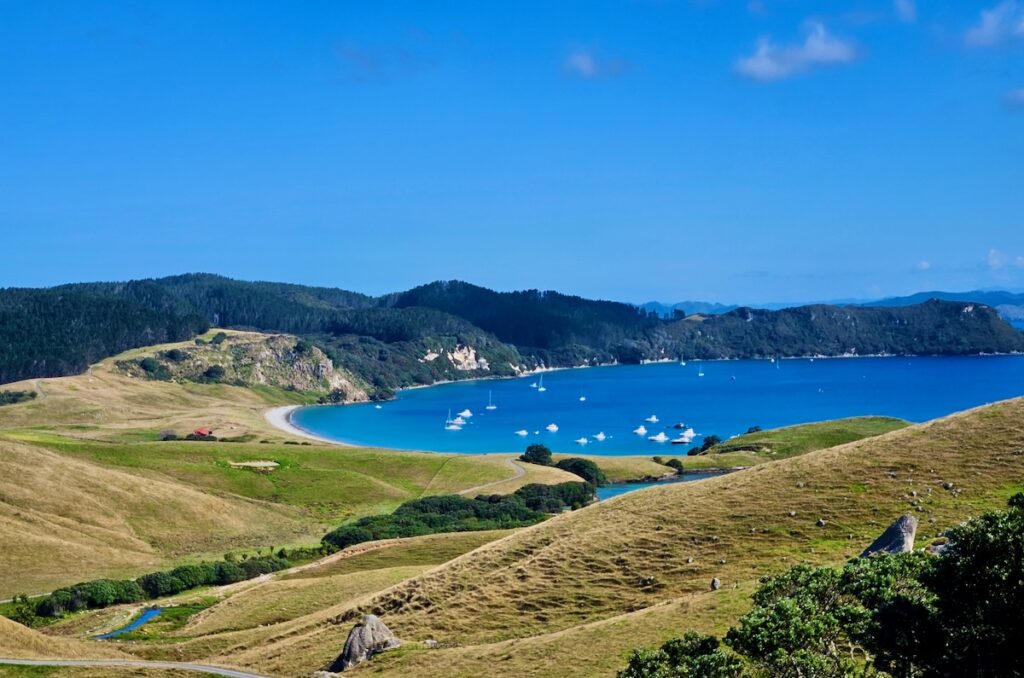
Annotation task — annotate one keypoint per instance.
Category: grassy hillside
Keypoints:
(620, 574)
(88, 490)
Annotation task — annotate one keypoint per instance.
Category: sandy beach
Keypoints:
(280, 418)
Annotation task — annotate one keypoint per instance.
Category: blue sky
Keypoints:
(771, 150)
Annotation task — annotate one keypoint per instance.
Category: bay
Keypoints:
(730, 397)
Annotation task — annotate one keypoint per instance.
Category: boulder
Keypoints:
(367, 638)
(715, 584)
(898, 538)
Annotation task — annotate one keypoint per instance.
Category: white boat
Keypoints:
(660, 438)
(681, 440)
(533, 385)
(378, 407)
(701, 372)
(449, 423)
(459, 420)
(582, 441)
(552, 427)
(541, 388)
(466, 413)
(490, 403)
(653, 419)
(522, 432)
(640, 430)
(583, 399)
(683, 363)
(600, 436)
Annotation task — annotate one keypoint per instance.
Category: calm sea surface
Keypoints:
(729, 398)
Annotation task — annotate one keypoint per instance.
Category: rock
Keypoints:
(821, 522)
(324, 674)
(792, 514)
(431, 644)
(947, 486)
(715, 584)
(367, 638)
(898, 538)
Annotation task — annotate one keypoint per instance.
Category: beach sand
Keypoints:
(280, 418)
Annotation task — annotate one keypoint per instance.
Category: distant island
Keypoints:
(456, 330)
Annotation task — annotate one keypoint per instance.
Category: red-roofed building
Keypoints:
(204, 432)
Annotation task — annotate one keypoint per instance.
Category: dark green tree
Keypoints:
(537, 454)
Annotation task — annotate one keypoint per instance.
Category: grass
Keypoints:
(87, 490)
(530, 601)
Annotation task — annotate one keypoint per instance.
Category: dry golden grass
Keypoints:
(19, 642)
(61, 518)
(631, 553)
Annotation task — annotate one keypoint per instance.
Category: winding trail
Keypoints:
(513, 464)
(134, 664)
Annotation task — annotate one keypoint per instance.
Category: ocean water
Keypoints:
(728, 399)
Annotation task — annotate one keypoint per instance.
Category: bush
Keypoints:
(676, 464)
(753, 429)
(585, 469)
(219, 338)
(692, 656)
(709, 442)
(537, 454)
(175, 355)
(14, 397)
(214, 373)
(168, 434)
(154, 369)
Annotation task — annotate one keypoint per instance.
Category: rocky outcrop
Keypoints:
(898, 538)
(367, 638)
(250, 359)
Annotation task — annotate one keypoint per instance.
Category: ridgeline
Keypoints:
(454, 330)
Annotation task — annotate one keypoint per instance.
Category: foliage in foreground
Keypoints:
(914, 615)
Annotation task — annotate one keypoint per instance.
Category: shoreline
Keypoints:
(281, 419)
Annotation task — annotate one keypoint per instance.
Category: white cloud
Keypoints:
(1003, 22)
(585, 64)
(924, 265)
(996, 259)
(771, 61)
(906, 10)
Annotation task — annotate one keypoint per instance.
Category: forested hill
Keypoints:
(455, 330)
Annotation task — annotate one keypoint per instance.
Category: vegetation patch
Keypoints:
(15, 397)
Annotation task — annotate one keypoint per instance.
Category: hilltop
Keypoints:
(455, 330)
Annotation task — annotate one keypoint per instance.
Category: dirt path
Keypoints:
(513, 464)
(135, 664)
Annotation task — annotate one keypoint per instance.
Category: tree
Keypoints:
(214, 373)
(219, 338)
(710, 441)
(537, 454)
(692, 656)
(753, 429)
(585, 469)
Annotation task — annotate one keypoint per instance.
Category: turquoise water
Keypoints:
(729, 398)
(609, 491)
(148, 615)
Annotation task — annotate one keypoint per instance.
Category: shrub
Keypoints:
(219, 338)
(709, 442)
(175, 355)
(214, 373)
(537, 454)
(168, 434)
(676, 464)
(14, 397)
(753, 429)
(154, 369)
(585, 469)
(692, 656)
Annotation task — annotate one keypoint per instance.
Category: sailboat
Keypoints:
(660, 438)
(490, 403)
(449, 423)
(600, 436)
(700, 372)
(582, 441)
(541, 388)
(552, 428)
(653, 419)
(640, 430)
